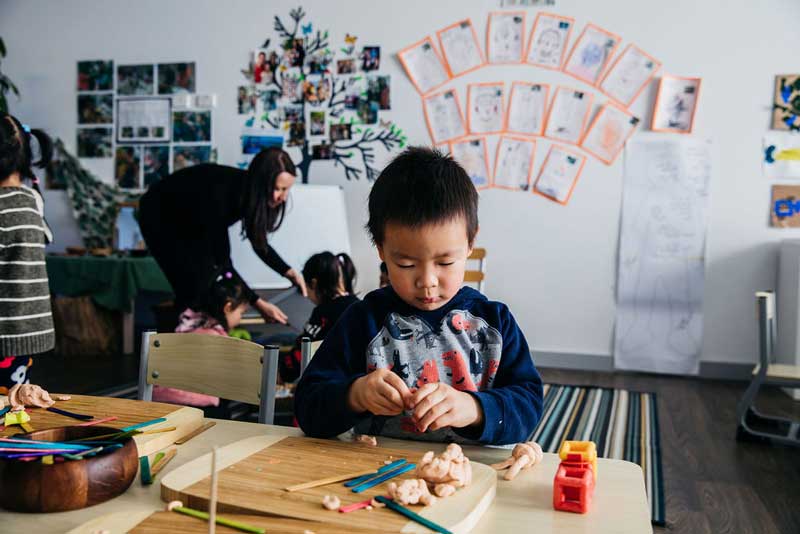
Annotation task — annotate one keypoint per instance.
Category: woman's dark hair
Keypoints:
(225, 288)
(327, 269)
(16, 154)
(258, 217)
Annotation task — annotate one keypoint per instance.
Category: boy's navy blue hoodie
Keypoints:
(471, 343)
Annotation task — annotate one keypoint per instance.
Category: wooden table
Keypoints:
(524, 505)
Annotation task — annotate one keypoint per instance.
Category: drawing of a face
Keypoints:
(610, 135)
(486, 108)
(505, 38)
(591, 56)
(472, 160)
(548, 46)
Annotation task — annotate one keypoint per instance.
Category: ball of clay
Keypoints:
(450, 467)
(364, 438)
(444, 490)
(174, 504)
(29, 395)
(331, 502)
(412, 491)
(523, 456)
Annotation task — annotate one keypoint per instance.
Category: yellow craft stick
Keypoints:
(329, 480)
(160, 430)
(194, 433)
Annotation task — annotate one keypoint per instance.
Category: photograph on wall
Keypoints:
(591, 54)
(460, 48)
(340, 132)
(96, 108)
(629, 75)
(265, 64)
(568, 115)
(176, 78)
(424, 66)
(559, 174)
(294, 52)
(485, 111)
(370, 58)
(134, 80)
(513, 164)
(781, 155)
(675, 105)
(608, 133)
(505, 33)
(143, 120)
(297, 133)
(355, 90)
(368, 111)
(95, 75)
(527, 108)
(785, 206)
(786, 105)
(379, 90)
(443, 116)
(547, 44)
(191, 126)
(254, 140)
(127, 165)
(246, 99)
(292, 85)
(316, 89)
(94, 143)
(322, 151)
(155, 162)
(473, 155)
(317, 120)
(187, 156)
(345, 66)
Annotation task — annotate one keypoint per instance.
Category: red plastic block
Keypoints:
(573, 487)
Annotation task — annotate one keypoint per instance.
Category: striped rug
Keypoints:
(623, 424)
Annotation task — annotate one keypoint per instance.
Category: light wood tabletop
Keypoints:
(619, 505)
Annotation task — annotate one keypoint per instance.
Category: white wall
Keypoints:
(555, 266)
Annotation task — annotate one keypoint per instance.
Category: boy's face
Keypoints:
(426, 264)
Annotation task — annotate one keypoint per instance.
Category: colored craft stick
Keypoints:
(98, 421)
(80, 416)
(360, 480)
(194, 433)
(113, 435)
(355, 506)
(146, 423)
(26, 427)
(47, 460)
(219, 520)
(19, 453)
(31, 455)
(144, 467)
(4, 410)
(160, 463)
(383, 478)
(411, 515)
(92, 452)
(329, 480)
(160, 430)
(40, 445)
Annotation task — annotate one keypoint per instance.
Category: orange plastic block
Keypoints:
(579, 451)
(573, 487)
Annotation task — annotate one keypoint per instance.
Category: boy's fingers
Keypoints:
(397, 383)
(444, 420)
(432, 415)
(390, 395)
(434, 399)
(423, 392)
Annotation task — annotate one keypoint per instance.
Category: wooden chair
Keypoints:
(478, 276)
(222, 366)
(753, 425)
(307, 350)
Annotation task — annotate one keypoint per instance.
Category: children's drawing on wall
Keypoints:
(675, 105)
(591, 53)
(143, 120)
(659, 326)
(460, 47)
(526, 108)
(423, 65)
(133, 80)
(94, 143)
(95, 75)
(473, 155)
(188, 155)
(629, 75)
(786, 105)
(785, 206)
(176, 78)
(568, 115)
(443, 115)
(559, 174)
(548, 40)
(485, 108)
(608, 133)
(95, 108)
(155, 162)
(504, 37)
(781, 155)
(127, 165)
(514, 163)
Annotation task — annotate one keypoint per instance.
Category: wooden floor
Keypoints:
(712, 483)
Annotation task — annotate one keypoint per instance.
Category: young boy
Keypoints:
(423, 358)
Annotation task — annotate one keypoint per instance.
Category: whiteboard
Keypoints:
(315, 221)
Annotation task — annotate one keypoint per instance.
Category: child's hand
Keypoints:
(381, 392)
(437, 405)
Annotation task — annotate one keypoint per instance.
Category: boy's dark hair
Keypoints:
(422, 186)
(226, 287)
(326, 269)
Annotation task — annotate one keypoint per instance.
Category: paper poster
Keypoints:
(781, 155)
(94, 143)
(473, 155)
(135, 80)
(143, 120)
(629, 75)
(460, 47)
(608, 133)
(513, 164)
(785, 206)
(485, 108)
(559, 174)
(176, 78)
(527, 108)
(659, 323)
(591, 54)
(786, 105)
(423, 66)
(127, 165)
(443, 116)
(505, 33)
(568, 115)
(547, 44)
(675, 105)
(191, 126)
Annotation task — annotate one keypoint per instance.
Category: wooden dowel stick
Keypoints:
(328, 480)
(212, 502)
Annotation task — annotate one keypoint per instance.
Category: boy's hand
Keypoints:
(437, 405)
(381, 392)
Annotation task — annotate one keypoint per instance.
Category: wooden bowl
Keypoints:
(69, 485)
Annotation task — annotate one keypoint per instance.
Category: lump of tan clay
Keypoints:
(174, 504)
(22, 395)
(369, 440)
(331, 502)
(451, 468)
(523, 456)
(412, 491)
(376, 504)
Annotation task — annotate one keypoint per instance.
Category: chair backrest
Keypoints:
(307, 350)
(223, 366)
(477, 276)
(767, 329)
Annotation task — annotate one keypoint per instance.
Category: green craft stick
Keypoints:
(146, 423)
(411, 515)
(144, 467)
(220, 520)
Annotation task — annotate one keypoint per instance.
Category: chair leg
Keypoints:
(269, 378)
(145, 390)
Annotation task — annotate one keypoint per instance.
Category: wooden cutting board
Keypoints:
(255, 471)
(128, 412)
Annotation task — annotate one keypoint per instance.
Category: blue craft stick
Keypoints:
(80, 416)
(4, 410)
(383, 478)
(146, 423)
(360, 480)
(39, 445)
(32, 454)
